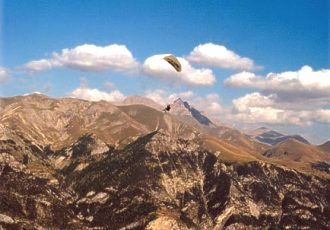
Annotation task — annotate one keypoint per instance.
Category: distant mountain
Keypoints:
(293, 150)
(272, 137)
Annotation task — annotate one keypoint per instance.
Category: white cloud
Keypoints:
(253, 100)
(219, 56)
(156, 67)
(89, 57)
(96, 95)
(210, 104)
(304, 83)
(259, 108)
(4, 74)
(83, 92)
(292, 97)
(41, 65)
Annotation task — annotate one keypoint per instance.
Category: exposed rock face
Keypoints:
(29, 202)
(322, 166)
(187, 114)
(162, 181)
(181, 186)
(158, 177)
(186, 111)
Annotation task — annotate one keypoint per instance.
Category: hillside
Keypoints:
(294, 150)
(325, 147)
(75, 164)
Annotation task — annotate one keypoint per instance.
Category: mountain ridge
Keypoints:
(180, 107)
(271, 137)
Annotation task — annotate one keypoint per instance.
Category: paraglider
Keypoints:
(167, 108)
(173, 61)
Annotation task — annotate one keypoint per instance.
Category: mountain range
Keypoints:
(75, 164)
(271, 137)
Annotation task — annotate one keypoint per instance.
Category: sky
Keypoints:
(244, 63)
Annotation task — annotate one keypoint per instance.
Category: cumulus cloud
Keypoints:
(89, 57)
(258, 108)
(219, 56)
(83, 92)
(96, 95)
(157, 68)
(41, 65)
(4, 74)
(253, 100)
(304, 83)
(293, 97)
(210, 104)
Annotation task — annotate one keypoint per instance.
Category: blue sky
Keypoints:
(278, 36)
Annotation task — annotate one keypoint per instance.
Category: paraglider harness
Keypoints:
(167, 108)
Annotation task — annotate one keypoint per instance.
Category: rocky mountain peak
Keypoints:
(183, 108)
(179, 101)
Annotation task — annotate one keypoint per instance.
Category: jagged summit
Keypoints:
(178, 100)
(183, 108)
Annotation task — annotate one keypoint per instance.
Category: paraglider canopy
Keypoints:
(174, 62)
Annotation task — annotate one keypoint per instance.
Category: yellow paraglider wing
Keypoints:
(174, 62)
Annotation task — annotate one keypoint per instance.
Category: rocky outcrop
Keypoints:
(179, 185)
(31, 202)
(158, 181)
(184, 110)
(322, 166)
